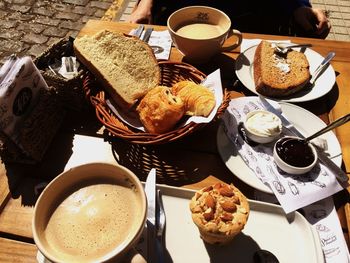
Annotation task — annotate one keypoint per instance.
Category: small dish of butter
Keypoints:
(262, 126)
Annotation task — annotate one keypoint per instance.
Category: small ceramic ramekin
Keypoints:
(294, 156)
(262, 126)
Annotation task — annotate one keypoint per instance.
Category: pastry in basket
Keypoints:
(125, 65)
(277, 75)
(220, 212)
(160, 110)
(199, 100)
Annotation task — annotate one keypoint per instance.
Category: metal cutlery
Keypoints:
(69, 64)
(339, 173)
(283, 49)
(160, 223)
(138, 31)
(150, 189)
(330, 126)
(147, 34)
(155, 220)
(319, 70)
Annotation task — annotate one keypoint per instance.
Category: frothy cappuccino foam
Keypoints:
(92, 221)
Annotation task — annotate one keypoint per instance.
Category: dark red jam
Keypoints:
(295, 152)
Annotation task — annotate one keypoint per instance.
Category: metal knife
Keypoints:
(150, 189)
(147, 34)
(139, 30)
(339, 173)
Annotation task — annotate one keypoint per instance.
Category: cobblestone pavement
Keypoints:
(28, 27)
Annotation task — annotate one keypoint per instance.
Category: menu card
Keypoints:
(292, 191)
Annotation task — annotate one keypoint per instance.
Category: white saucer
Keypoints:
(305, 121)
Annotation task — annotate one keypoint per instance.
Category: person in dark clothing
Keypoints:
(277, 17)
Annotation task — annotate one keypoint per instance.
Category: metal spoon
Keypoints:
(329, 127)
(284, 49)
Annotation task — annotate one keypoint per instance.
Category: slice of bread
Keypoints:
(125, 65)
(279, 76)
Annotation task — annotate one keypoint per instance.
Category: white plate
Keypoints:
(324, 83)
(305, 121)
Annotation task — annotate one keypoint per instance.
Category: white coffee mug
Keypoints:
(93, 212)
(199, 32)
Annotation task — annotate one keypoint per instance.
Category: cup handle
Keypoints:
(238, 35)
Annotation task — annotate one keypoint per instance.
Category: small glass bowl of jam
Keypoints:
(294, 155)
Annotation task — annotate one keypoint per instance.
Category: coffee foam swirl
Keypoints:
(92, 221)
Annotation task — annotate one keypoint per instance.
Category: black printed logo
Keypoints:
(22, 101)
(202, 16)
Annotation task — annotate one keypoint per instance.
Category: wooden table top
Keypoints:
(79, 141)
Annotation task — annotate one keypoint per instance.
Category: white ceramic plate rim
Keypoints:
(324, 83)
(235, 163)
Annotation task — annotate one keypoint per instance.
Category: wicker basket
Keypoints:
(69, 90)
(171, 73)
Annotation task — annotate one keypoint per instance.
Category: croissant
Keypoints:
(159, 110)
(198, 99)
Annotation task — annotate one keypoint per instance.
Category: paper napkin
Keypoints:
(160, 41)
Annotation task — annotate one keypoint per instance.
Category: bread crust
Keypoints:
(273, 81)
(119, 69)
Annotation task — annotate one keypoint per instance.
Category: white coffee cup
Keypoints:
(94, 212)
(199, 32)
